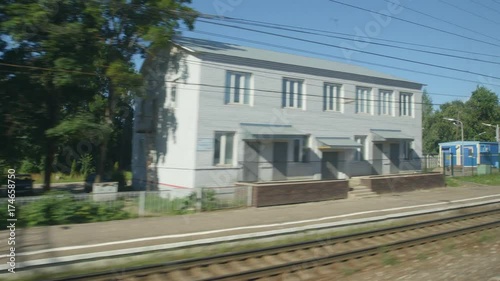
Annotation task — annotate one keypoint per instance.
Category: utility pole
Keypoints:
(497, 133)
(458, 122)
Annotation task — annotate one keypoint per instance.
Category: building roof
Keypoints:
(340, 143)
(466, 143)
(267, 131)
(385, 135)
(202, 46)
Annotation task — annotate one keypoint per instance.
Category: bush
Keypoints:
(87, 165)
(61, 208)
(119, 177)
(74, 171)
(28, 167)
(208, 201)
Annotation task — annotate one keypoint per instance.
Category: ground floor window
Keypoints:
(223, 148)
(407, 150)
(301, 150)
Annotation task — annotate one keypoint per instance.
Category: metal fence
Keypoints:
(153, 203)
(469, 164)
(430, 163)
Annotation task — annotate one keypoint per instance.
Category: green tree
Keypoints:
(428, 119)
(75, 54)
(482, 107)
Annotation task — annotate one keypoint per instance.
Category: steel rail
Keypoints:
(142, 271)
(355, 254)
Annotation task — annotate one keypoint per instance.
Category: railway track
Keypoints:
(273, 262)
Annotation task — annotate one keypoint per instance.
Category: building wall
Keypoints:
(265, 108)
(173, 147)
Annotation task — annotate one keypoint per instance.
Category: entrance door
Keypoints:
(469, 157)
(329, 165)
(251, 162)
(280, 160)
(378, 158)
(394, 158)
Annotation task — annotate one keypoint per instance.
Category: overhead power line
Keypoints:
(355, 50)
(337, 57)
(364, 41)
(325, 32)
(416, 23)
(485, 6)
(264, 74)
(48, 69)
(445, 21)
(468, 12)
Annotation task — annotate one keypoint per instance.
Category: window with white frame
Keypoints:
(407, 150)
(223, 148)
(405, 104)
(292, 93)
(385, 103)
(301, 150)
(237, 87)
(363, 100)
(360, 151)
(331, 97)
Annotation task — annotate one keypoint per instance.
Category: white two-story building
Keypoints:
(215, 114)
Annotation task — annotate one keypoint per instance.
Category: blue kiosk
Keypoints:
(475, 153)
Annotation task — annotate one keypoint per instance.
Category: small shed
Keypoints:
(475, 153)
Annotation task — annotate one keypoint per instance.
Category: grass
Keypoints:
(449, 246)
(58, 178)
(486, 237)
(350, 270)
(452, 182)
(63, 178)
(388, 259)
(422, 256)
(492, 179)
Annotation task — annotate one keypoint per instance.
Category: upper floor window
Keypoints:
(405, 104)
(331, 97)
(363, 102)
(223, 148)
(385, 102)
(292, 93)
(237, 87)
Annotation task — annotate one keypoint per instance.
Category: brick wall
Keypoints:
(290, 193)
(404, 183)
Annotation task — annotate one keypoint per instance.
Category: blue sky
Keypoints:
(334, 17)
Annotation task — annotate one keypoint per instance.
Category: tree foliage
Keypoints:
(482, 107)
(71, 72)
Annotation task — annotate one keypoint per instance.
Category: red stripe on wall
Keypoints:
(165, 184)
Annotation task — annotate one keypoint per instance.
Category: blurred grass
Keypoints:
(62, 178)
(57, 178)
(492, 179)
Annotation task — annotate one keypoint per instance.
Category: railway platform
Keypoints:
(43, 246)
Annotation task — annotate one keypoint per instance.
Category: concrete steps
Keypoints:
(358, 190)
